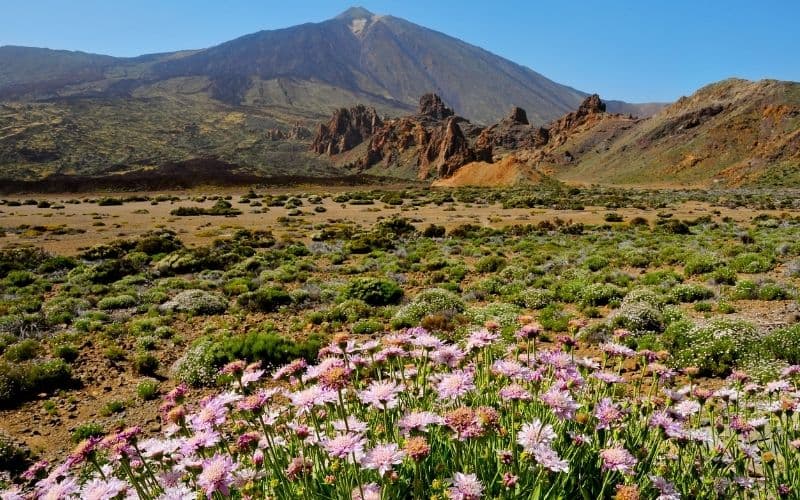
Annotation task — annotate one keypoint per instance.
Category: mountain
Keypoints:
(356, 57)
(731, 133)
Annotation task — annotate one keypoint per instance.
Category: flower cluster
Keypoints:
(414, 415)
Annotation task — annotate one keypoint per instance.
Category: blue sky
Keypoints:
(635, 50)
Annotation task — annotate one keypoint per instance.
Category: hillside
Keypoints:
(732, 133)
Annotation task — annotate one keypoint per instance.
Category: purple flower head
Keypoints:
(465, 487)
(345, 446)
(217, 475)
(515, 392)
(381, 394)
(480, 339)
(448, 355)
(607, 413)
(455, 384)
(369, 491)
(535, 434)
(618, 459)
(561, 402)
(419, 421)
(383, 458)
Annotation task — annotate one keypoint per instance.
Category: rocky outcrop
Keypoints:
(296, 133)
(431, 106)
(511, 133)
(346, 129)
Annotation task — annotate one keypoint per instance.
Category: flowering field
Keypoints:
(416, 415)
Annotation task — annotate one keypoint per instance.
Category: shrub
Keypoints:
(535, 298)
(613, 217)
(67, 352)
(724, 276)
(506, 315)
(700, 264)
(349, 310)
(373, 291)
(117, 302)
(433, 231)
(367, 326)
(147, 389)
(23, 350)
(599, 294)
(640, 311)
(554, 318)
(716, 348)
(595, 262)
(433, 300)
(752, 263)
(490, 264)
(196, 302)
(196, 366)
(687, 292)
(18, 381)
(265, 298)
(15, 456)
(145, 363)
(270, 348)
(112, 407)
(784, 343)
(773, 291)
(85, 431)
(745, 290)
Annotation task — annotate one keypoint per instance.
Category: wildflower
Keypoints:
(618, 350)
(305, 400)
(626, 492)
(290, 369)
(102, 489)
(419, 420)
(686, 409)
(369, 491)
(535, 434)
(667, 489)
(250, 376)
(347, 446)
(480, 339)
(465, 487)
(417, 448)
(455, 384)
(383, 457)
(335, 378)
(515, 392)
(529, 331)
(549, 459)
(299, 466)
(426, 340)
(381, 395)
(34, 470)
(488, 417)
(350, 424)
(448, 355)
(216, 475)
(507, 368)
(618, 459)
(607, 413)
(509, 480)
(561, 402)
(464, 422)
(777, 386)
(607, 377)
(67, 487)
(233, 368)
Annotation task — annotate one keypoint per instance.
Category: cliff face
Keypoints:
(346, 129)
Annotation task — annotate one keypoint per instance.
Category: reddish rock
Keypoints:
(431, 106)
(346, 129)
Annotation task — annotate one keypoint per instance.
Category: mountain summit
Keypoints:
(356, 57)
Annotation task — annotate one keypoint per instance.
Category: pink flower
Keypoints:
(347, 446)
(64, 489)
(369, 491)
(101, 489)
(618, 459)
(480, 339)
(383, 457)
(549, 459)
(305, 400)
(419, 421)
(250, 376)
(614, 349)
(449, 355)
(290, 369)
(217, 474)
(455, 384)
(560, 402)
(381, 395)
(465, 487)
(607, 413)
(535, 434)
(608, 377)
(515, 392)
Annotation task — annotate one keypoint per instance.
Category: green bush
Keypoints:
(272, 349)
(752, 263)
(745, 290)
(491, 264)
(784, 343)
(373, 291)
(427, 302)
(595, 262)
(554, 318)
(23, 350)
(117, 302)
(265, 298)
(700, 264)
(15, 456)
(367, 326)
(600, 294)
(640, 311)
(19, 381)
(87, 430)
(196, 302)
(147, 389)
(716, 348)
(196, 366)
(687, 292)
(535, 298)
(773, 291)
(145, 363)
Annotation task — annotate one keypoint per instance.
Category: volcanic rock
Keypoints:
(346, 129)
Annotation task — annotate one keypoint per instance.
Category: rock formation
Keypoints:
(346, 129)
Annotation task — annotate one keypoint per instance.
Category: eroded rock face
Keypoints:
(431, 106)
(511, 133)
(346, 129)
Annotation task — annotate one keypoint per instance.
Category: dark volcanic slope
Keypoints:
(355, 57)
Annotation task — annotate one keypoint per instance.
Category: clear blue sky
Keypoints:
(635, 50)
